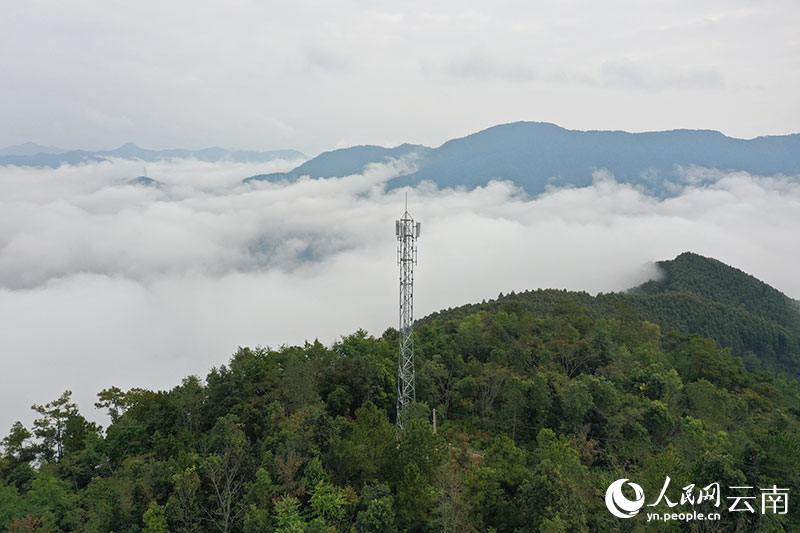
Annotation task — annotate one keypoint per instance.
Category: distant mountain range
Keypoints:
(345, 161)
(535, 154)
(34, 155)
(29, 148)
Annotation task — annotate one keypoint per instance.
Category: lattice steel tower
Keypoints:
(407, 232)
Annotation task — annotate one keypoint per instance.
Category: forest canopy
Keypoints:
(542, 400)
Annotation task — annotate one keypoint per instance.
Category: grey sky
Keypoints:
(317, 75)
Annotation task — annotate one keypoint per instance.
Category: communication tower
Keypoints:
(407, 232)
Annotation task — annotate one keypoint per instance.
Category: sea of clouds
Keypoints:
(107, 283)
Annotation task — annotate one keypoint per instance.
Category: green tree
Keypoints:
(416, 499)
(14, 443)
(709, 403)
(51, 428)
(225, 470)
(114, 401)
(287, 516)
(183, 505)
(154, 519)
(378, 513)
(658, 421)
(557, 490)
(494, 487)
(259, 496)
(576, 400)
(423, 448)
(10, 504)
(701, 358)
(49, 499)
(368, 452)
(328, 502)
(15, 467)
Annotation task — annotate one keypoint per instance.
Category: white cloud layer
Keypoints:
(103, 283)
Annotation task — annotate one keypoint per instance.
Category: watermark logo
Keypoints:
(618, 504)
(773, 500)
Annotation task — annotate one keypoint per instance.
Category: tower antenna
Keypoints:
(407, 233)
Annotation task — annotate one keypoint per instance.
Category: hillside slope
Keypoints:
(716, 281)
(697, 295)
(542, 399)
(344, 162)
(535, 154)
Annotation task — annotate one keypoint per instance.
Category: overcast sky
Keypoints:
(316, 75)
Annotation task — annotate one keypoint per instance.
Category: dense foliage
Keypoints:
(696, 295)
(716, 281)
(542, 401)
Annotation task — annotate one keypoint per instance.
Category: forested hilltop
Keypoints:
(543, 399)
(696, 295)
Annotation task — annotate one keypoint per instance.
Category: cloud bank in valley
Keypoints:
(105, 283)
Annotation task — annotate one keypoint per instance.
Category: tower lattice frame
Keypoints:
(407, 233)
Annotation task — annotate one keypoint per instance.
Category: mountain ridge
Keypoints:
(760, 324)
(30, 148)
(132, 151)
(691, 272)
(343, 162)
(535, 155)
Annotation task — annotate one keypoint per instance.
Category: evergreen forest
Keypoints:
(542, 398)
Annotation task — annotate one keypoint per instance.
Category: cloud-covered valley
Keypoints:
(104, 282)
